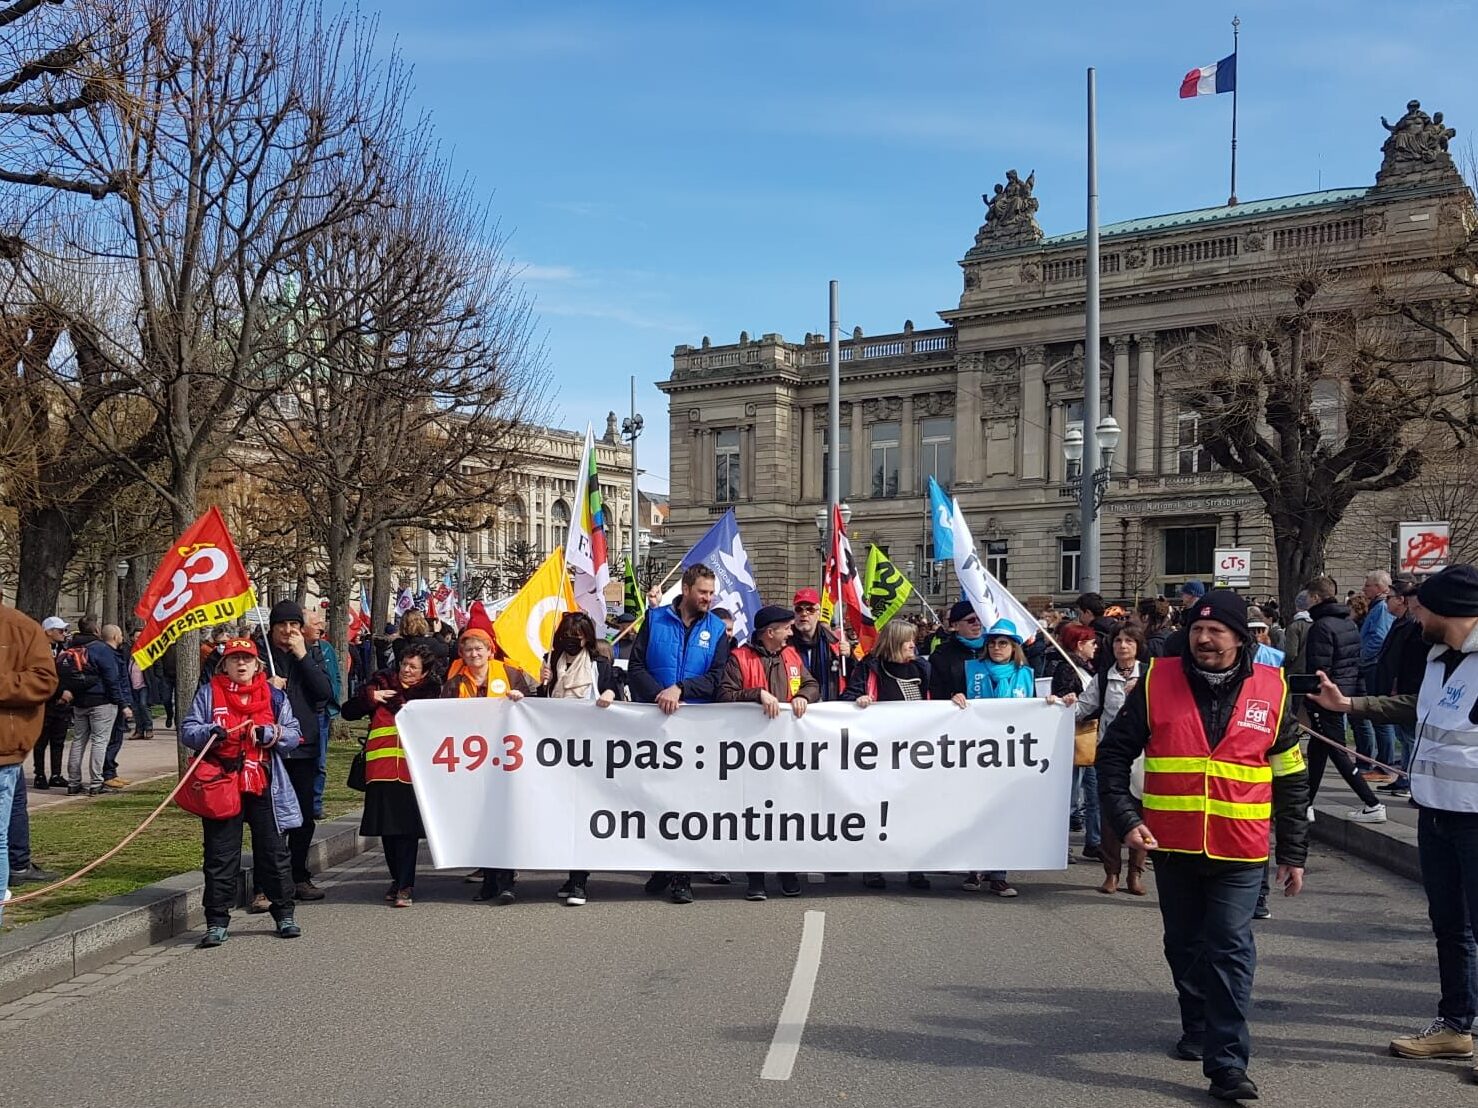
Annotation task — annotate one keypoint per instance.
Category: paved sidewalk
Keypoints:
(139, 761)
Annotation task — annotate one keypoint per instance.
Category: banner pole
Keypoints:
(266, 641)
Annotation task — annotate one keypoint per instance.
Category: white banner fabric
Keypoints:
(560, 784)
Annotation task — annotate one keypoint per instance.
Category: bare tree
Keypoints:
(420, 374)
(1316, 391)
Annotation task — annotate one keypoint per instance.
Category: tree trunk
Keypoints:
(110, 596)
(46, 546)
(1300, 543)
(380, 596)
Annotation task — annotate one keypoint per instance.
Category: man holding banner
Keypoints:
(678, 658)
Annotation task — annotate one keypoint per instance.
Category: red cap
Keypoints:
(240, 646)
(805, 596)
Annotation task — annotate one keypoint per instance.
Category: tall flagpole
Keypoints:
(833, 434)
(1236, 34)
(1092, 356)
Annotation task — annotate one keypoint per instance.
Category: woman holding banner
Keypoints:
(891, 672)
(576, 670)
(483, 675)
(390, 810)
(248, 723)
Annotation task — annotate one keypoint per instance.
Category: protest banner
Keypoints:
(557, 785)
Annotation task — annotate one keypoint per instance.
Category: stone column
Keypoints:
(1056, 430)
(1144, 407)
(811, 456)
(969, 449)
(907, 450)
(1121, 402)
(746, 462)
(703, 466)
(860, 485)
(1033, 410)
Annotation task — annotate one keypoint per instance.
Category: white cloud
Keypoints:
(533, 272)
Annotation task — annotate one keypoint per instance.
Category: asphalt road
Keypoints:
(1059, 998)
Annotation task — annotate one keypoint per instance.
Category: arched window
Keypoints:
(514, 522)
(559, 522)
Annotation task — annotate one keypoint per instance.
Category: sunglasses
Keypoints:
(806, 607)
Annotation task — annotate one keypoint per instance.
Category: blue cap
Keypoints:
(1004, 628)
(1193, 588)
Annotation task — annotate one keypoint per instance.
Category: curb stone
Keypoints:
(50, 951)
(1391, 845)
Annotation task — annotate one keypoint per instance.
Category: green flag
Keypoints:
(632, 600)
(886, 589)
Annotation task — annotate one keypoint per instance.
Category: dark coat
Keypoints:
(1402, 662)
(309, 691)
(947, 667)
(864, 672)
(360, 706)
(1333, 646)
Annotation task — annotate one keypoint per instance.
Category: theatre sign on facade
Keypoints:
(986, 401)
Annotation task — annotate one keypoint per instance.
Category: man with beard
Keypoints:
(817, 644)
(1221, 760)
(1444, 785)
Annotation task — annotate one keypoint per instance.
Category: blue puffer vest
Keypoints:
(675, 652)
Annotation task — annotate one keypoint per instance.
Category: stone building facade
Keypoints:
(986, 401)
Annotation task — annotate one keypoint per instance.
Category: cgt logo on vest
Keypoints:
(1257, 716)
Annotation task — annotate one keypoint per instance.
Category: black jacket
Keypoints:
(1333, 645)
(864, 672)
(308, 691)
(1159, 642)
(1129, 734)
(822, 659)
(947, 667)
(1402, 661)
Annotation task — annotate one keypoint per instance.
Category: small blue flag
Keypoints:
(941, 514)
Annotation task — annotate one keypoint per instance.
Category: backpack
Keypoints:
(75, 670)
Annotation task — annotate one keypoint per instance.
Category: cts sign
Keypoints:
(1233, 567)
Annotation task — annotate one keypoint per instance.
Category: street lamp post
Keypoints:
(631, 429)
(121, 569)
(1089, 489)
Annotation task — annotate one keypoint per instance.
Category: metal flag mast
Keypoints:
(1236, 34)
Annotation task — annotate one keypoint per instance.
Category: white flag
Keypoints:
(585, 546)
(990, 599)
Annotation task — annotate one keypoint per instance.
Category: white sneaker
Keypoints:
(1309, 815)
(1374, 814)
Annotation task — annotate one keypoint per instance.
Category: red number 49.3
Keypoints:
(475, 754)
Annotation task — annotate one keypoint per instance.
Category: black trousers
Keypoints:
(1332, 726)
(1206, 907)
(54, 739)
(300, 774)
(223, 861)
(400, 858)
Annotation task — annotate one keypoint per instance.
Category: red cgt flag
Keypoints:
(200, 582)
(844, 585)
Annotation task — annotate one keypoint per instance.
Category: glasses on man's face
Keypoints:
(801, 609)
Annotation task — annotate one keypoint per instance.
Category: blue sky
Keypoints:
(670, 170)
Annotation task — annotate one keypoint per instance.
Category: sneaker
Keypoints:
(657, 884)
(391, 893)
(973, 882)
(1075, 823)
(918, 881)
(1437, 1040)
(287, 928)
(41, 782)
(1232, 1084)
(505, 896)
(682, 892)
(756, 891)
(1371, 813)
(1262, 911)
(1401, 792)
(1093, 852)
(1187, 1048)
(57, 781)
(576, 896)
(259, 904)
(403, 898)
(874, 881)
(563, 892)
(32, 872)
(116, 782)
(718, 878)
(1003, 888)
(214, 936)
(790, 884)
(306, 890)
(74, 790)
(473, 878)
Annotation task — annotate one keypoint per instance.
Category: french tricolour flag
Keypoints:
(1211, 79)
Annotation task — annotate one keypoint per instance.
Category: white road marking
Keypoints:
(787, 1041)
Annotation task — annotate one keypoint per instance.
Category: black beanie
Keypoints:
(1224, 606)
(1453, 592)
(285, 611)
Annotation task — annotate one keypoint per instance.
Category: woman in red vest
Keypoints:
(390, 810)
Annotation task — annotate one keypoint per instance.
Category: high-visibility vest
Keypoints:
(752, 669)
(1217, 803)
(384, 757)
(498, 683)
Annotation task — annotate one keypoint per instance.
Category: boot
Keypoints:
(1110, 884)
(1135, 884)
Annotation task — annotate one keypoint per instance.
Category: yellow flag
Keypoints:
(887, 590)
(525, 628)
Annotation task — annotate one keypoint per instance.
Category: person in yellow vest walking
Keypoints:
(768, 671)
(1222, 763)
(481, 674)
(391, 813)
